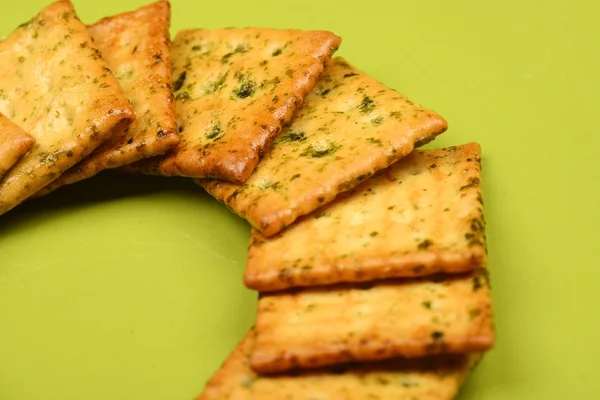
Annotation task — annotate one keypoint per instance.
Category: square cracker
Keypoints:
(337, 324)
(421, 216)
(348, 127)
(432, 378)
(55, 85)
(137, 48)
(234, 89)
(14, 144)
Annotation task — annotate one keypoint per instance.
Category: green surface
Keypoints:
(130, 287)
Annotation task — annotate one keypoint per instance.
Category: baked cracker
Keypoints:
(421, 216)
(55, 85)
(432, 378)
(137, 48)
(14, 144)
(234, 89)
(348, 127)
(349, 323)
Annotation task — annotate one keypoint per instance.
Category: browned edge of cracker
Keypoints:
(17, 144)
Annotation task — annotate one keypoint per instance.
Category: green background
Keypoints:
(130, 287)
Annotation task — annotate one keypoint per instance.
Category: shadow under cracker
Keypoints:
(105, 187)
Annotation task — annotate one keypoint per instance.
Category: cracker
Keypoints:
(348, 127)
(234, 89)
(338, 324)
(14, 144)
(421, 216)
(434, 378)
(137, 48)
(55, 85)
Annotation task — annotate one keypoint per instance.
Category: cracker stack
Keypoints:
(137, 48)
(369, 255)
(55, 86)
(390, 278)
(366, 265)
(76, 100)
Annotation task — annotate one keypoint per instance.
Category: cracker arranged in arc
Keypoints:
(234, 90)
(431, 378)
(348, 127)
(137, 48)
(14, 144)
(55, 85)
(338, 324)
(421, 216)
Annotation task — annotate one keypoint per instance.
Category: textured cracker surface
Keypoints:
(348, 127)
(14, 144)
(234, 89)
(337, 324)
(433, 378)
(421, 216)
(137, 48)
(55, 85)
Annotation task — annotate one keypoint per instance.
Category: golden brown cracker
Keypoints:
(348, 127)
(432, 378)
(336, 324)
(137, 48)
(234, 89)
(55, 85)
(421, 216)
(14, 144)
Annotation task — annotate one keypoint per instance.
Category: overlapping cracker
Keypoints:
(55, 85)
(338, 324)
(349, 127)
(234, 89)
(14, 144)
(421, 216)
(137, 48)
(432, 378)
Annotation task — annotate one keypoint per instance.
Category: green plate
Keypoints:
(127, 287)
